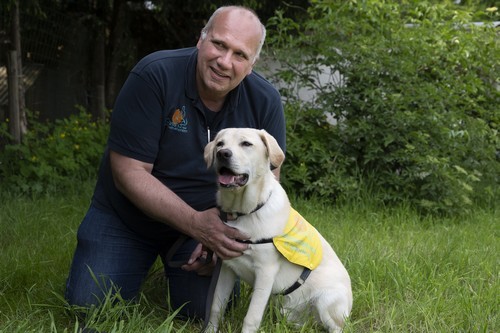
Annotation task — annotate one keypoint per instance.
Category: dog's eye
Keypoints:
(246, 144)
(220, 143)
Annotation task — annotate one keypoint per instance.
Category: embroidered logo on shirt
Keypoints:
(178, 122)
(301, 242)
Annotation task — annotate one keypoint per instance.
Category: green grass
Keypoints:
(409, 273)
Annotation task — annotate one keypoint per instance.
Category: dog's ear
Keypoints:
(276, 155)
(208, 154)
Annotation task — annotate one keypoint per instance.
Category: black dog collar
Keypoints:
(235, 215)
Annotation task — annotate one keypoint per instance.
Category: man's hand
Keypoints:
(208, 228)
(201, 261)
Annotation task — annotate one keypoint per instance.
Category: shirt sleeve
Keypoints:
(274, 121)
(136, 121)
(275, 124)
(266, 101)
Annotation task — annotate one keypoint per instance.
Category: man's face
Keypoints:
(227, 53)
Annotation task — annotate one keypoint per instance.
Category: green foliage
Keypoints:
(53, 155)
(414, 94)
(313, 166)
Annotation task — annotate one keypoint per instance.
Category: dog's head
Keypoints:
(241, 155)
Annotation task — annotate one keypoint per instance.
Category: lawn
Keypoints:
(409, 273)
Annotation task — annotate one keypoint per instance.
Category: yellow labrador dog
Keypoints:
(287, 255)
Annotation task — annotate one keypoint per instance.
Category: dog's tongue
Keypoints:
(227, 179)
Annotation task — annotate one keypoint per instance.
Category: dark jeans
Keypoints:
(109, 254)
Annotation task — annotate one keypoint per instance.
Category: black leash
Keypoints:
(213, 280)
(235, 215)
(211, 293)
(171, 252)
(173, 249)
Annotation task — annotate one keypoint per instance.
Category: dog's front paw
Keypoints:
(211, 329)
(250, 328)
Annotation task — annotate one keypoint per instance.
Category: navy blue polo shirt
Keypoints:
(159, 118)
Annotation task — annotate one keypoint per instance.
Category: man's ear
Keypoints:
(276, 155)
(250, 71)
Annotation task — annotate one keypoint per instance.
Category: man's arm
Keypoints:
(133, 178)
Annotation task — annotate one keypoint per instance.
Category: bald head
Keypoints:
(247, 21)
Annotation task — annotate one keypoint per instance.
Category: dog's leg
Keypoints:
(264, 279)
(225, 285)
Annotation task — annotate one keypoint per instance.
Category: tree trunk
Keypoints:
(98, 75)
(16, 45)
(14, 116)
(118, 28)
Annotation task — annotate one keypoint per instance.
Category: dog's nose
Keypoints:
(224, 154)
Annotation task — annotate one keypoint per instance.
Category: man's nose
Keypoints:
(224, 59)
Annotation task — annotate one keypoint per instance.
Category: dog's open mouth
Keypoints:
(227, 178)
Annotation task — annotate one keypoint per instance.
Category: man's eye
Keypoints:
(218, 45)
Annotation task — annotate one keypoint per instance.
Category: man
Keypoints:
(153, 184)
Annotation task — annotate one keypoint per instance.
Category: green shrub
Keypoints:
(415, 99)
(53, 155)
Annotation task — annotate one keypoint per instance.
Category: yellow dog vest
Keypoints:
(301, 242)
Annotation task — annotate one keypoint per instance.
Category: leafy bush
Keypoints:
(414, 97)
(53, 155)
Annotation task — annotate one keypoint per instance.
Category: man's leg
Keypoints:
(186, 289)
(108, 255)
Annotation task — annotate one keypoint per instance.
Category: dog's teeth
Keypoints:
(241, 180)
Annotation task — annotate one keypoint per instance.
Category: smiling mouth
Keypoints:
(227, 178)
(219, 74)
